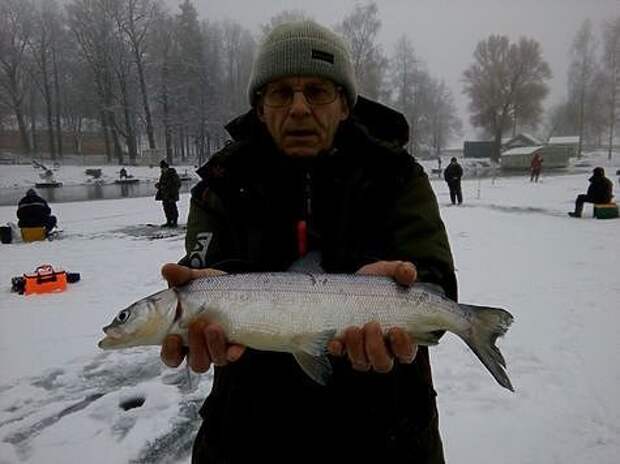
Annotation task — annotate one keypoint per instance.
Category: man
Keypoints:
(312, 178)
(33, 211)
(168, 193)
(452, 175)
(599, 191)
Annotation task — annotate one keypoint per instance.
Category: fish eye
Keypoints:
(123, 316)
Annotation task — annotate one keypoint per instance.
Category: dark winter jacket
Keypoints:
(33, 211)
(169, 185)
(365, 201)
(453, 173)
(600, 189)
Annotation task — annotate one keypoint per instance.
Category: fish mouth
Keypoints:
(106, 343)
(112, 339)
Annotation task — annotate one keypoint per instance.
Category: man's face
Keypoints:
(302, 128)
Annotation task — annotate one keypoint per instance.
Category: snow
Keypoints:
(521, 151)
(574, 139)
(514, 247)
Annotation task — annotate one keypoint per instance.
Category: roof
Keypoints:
(522, 150)
(570, 139)
(521, 137)
(535, 140)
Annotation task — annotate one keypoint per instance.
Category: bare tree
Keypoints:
(611, 69)
(442, 116)
(163, 50)
(360, 29)
(191, 71)
(504, 79)
(237, 47)
(43, 45)
(581, 74)
(15, 33)
(405, 77)
(561, 119)
(93, 31)
(135, 19)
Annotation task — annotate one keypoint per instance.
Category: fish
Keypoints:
(299, 313)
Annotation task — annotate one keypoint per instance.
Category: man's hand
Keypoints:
(366, 347)
(207, 342)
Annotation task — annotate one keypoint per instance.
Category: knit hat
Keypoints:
(163, 164)
(302, 48)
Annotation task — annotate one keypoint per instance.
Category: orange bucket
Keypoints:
(33, 234)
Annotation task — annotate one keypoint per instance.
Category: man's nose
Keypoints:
(299, 105)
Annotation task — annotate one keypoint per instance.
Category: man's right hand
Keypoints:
(207, 341)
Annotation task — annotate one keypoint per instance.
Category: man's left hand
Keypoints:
(366, 347)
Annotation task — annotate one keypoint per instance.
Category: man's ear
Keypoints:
(260, 112)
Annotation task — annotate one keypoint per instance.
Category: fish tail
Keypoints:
(486, 326)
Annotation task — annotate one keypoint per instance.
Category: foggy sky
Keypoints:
(445, 32)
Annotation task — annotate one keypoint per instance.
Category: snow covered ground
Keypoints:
(61, 398)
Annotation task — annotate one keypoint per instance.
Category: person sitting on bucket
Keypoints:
(599, 191)
(33, 211)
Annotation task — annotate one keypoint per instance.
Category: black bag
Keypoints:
(6, 235)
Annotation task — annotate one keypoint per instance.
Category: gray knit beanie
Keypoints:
(302, 48)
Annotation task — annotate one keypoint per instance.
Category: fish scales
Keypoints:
(325, 302)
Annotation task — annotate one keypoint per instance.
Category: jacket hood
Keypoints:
(382, 123)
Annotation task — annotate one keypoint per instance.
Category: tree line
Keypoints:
(144, 77)
(506, 86)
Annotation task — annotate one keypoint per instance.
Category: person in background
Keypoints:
(168, 193)
(316, 179)
(33, 211)
(599, 191)
(535, 167)
(123, 174)
(452, 175)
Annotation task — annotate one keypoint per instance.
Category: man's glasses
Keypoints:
(281, 95)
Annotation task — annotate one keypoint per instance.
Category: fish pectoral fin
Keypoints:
(318, 368)
(314, 345)
(311, 355)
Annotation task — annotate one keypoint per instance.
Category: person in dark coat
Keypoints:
(452, 175)
(33, 211)
(316, 179)
(599, 191)
(168, 193)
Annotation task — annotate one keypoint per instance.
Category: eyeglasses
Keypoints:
(317, 94)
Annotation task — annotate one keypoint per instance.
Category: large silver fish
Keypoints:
(299, 313)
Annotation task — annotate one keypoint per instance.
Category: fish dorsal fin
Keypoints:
(432, 288)
(311, 355)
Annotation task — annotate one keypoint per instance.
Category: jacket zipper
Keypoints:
(302, 224)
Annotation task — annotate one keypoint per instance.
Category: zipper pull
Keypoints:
(302, 238)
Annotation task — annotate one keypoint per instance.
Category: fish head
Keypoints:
(145, 322)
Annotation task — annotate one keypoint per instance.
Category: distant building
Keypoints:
(477, 149)
(568, 143)
(519, 158)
